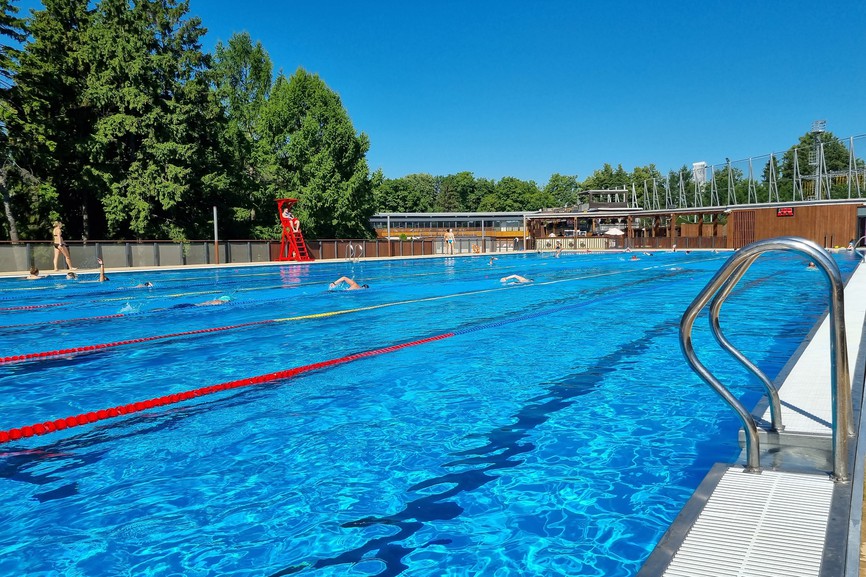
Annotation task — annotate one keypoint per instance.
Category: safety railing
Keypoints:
(354, 252)
(718, 289)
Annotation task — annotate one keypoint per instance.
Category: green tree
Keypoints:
(241, 76)
(12, 33)
(640, 175)
(412, 193)
(313, 153)
(53, 122)
(607, 178)
(155, 146)
(12, 30)
(456, 192)
(484, 187)
(513, 194)
(835, 159)
(563, 189)
(422, 192)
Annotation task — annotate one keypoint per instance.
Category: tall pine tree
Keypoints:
(242, 80)
(53, 122)
(156, 139)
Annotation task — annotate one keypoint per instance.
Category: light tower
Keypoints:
(816, 156)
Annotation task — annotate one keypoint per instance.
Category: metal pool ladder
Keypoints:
(718, 289)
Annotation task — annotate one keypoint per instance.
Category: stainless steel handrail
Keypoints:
(720, 286)
(715, 310)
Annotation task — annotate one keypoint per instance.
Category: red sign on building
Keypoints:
(785, 211)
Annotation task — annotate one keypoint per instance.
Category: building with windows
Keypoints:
(409, 225)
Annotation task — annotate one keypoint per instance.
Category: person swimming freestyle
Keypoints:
(347, 284)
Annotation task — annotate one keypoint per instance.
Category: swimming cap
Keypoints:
(225, 298)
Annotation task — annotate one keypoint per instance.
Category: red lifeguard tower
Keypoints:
(292, 245)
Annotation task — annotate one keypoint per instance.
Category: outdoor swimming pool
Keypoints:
(552, 429)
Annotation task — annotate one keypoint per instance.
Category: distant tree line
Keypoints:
(114, 120)
(462, 192)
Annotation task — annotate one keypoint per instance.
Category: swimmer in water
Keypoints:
(515, 278)
(348, 283)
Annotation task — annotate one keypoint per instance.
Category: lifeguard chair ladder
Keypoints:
(292, 245)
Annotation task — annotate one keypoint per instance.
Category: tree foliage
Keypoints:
(312, 153)
(242, 73)
(154, 143)
(12, 32)
(126, 128)
(50, 131)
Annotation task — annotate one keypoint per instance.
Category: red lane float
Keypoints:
(33, 307)
(102, 346)
(46, 427)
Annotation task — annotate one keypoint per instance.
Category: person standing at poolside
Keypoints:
(60, 246)
(449, 241)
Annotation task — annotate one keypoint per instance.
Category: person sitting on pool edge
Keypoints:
(348, 283)
(516, 278)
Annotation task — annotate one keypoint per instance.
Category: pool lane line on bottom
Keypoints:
(103, 414)
(103, 346)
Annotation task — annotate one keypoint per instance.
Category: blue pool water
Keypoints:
(555, 431)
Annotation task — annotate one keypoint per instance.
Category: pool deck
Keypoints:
(791, 519)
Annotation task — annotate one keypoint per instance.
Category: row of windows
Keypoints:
(440, 224)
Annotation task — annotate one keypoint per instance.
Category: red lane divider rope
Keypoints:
(32, 307)
(102, 346)
(60, 424)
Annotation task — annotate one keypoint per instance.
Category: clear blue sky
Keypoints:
(530, 88)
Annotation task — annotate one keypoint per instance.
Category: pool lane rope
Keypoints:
(51, 426)
(47, 427)
(103, 346)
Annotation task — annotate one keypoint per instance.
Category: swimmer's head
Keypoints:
(365, 286)
(225, 298)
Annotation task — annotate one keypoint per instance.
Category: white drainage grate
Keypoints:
(768, 524)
